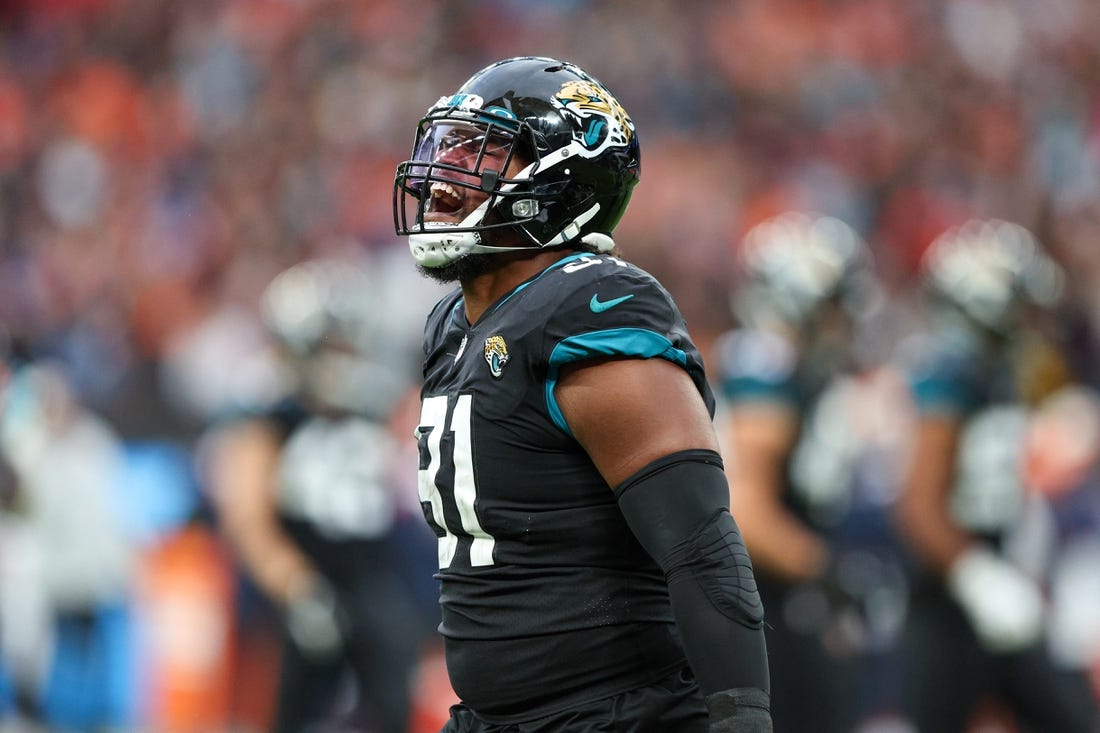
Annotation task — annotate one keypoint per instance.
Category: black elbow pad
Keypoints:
(678, 507)
(717, 558)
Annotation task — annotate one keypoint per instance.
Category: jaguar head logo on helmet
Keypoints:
(529, 153)
(601, 119)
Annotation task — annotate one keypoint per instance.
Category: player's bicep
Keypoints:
(243, 465)
(629, 412)
(930, 476)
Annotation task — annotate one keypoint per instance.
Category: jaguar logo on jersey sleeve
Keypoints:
(602, 121)
(496, 355)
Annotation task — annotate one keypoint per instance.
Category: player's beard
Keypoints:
(465, 267)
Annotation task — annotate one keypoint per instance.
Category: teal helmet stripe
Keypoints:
(631, 342)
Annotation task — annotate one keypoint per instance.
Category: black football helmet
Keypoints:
(330, 322)
(990, 270)
(792, 265)
(572, 149)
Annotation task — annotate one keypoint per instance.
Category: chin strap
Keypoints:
(439, 245)
(442, 248)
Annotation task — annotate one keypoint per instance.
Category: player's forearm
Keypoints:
(284, 574)
(780, 544)
(244, 464)
(677, 508)
(725, 653)
(760, 438)
(273, 562)
(932, 534)
(923, 509)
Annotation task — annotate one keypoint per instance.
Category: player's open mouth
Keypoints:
(445, 199)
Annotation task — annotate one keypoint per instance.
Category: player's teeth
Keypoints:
(440, 189)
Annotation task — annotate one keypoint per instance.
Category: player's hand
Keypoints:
(845, 590)
(1005, 607)
(316, 621)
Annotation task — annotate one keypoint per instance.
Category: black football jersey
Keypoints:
(533, 550)
(332, 488)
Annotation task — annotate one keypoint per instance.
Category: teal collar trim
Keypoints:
(560, 263)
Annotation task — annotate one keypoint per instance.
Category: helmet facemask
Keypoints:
(455, 189)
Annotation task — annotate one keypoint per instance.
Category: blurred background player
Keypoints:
(306, 496)
(993, 354)
(806, 428)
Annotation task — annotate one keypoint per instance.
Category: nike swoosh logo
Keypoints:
(599, 306)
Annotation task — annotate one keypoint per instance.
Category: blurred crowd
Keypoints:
(162, 161)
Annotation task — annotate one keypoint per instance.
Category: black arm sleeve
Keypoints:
(678, 507)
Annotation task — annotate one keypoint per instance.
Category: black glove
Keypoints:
(316, 621)
(740, 710)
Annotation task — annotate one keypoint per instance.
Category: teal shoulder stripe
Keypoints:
(635, 342)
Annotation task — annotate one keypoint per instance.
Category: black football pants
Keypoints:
(673, 705)
(379, 659)
(947, 673)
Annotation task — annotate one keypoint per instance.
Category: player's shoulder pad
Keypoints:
(589, 293)
(756, 355)
(282, 415)
(597, 306)
(945, 368)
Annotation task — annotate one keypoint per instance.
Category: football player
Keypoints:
(990, 357)
(304, 493)
(802, 424)
(592, 577)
